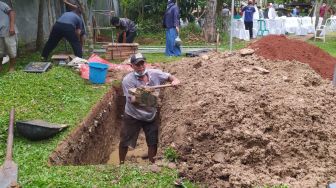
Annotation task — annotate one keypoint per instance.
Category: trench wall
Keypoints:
(91, 142)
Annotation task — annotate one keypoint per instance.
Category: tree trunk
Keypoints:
(40, 37)
(50, 16)
(317, 11)
(209, 28)
(142, 9)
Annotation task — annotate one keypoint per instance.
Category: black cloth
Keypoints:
(249, 26)
(130, 36)
(265, 13)
(130, 130)
(59, 31)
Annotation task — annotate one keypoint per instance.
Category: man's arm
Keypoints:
(174, 81)
(78, 33)
(11, 22)
(126, 86)
(82, 40)
(72, 6)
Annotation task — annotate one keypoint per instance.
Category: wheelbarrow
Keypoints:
(38, 129)
(9, 170)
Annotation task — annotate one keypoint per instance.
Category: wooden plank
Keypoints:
(121, 44)
(60, 56)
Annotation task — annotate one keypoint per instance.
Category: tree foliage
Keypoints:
(145, 9)
(187, 7)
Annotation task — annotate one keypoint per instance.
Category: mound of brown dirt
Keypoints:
(277, 47)
(235, 125)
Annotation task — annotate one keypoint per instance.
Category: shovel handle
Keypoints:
(10, 135)
(160, 86)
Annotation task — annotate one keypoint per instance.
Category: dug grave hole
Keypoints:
(95, 141)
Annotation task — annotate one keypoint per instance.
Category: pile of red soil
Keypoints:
(235, 125)
(277, 47)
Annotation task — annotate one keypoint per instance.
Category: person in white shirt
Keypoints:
(271, 12)
(256, 13)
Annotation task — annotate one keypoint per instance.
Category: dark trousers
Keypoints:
(249, 26)
(130, 36)
(59, 31)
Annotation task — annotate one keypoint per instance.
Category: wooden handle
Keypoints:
(10, 135)
(160, 86)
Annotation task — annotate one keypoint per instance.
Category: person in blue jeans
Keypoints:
(69, 26)
(171, 23)
(248, 18)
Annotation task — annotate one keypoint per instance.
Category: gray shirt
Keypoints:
(225, 12)
(156, 77)
(127, 25)
(4, 19)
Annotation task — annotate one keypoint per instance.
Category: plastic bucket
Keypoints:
(97, 73)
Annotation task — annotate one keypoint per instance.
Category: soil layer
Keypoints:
(275, 47)
(236, 125)
(91, 142)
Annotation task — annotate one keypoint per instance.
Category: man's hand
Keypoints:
(175, 82)
(11, 31)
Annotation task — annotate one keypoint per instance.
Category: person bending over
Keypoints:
(69, 26)
(127, 27)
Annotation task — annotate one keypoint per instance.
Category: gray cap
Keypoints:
(136, 58)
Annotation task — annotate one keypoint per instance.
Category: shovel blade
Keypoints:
(8, 175)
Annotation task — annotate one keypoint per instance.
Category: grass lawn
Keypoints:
(60, 96)
(328, 46)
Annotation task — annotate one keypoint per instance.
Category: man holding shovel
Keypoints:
(138, 115)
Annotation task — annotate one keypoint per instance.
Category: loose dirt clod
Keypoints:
(277, 47)
(244, 129)
(246, 51)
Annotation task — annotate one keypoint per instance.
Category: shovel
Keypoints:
(9, 170)
(160, 86)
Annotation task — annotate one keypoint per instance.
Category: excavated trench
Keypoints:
(95, 140)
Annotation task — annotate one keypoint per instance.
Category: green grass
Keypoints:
(328, 46)
(160, 58)
(171, 154)
(190, 36)
(60, 96)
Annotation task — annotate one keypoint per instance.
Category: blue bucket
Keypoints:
(98, 72)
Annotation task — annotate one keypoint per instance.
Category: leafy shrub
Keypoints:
(171, 154)
(149, 26)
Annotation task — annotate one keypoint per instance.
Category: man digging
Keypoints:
(137, 114)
